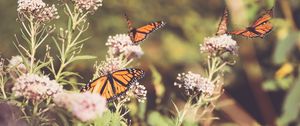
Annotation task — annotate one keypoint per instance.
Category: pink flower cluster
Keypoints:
(122, 44)
(84, 106)
(88, 5)
(41, 11)
(110, 65)
(138, 91)
(195, 83)
(219, 44)
(35, 87)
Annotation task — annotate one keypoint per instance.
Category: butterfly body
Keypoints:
(252, 29)
(114, 84)
(141, 33)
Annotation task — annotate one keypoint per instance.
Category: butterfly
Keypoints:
(259, 28)
(222, 28)
(139, 34)
(114, 84)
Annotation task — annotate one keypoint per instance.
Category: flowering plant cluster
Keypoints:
(203, 90)
(43, 90)
(37, 85)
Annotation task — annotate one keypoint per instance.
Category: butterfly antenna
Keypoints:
(271, 11)
(129, 23)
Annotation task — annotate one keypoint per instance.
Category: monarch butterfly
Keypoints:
(259, 28)
(222, 28)
(139, 34)
(114, 84)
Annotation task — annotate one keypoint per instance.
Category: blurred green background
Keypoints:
(264, 83)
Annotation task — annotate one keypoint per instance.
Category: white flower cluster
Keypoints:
(85, 106)
(41, 11)
(219, 44)
(88, 5)
(137, 91)
(111, 64)
(195, 83)
(49, 13)
(36, 88)
(30, 5)
(15, 61)
(16, 66)
(122, 44)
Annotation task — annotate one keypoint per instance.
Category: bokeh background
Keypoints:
(262, 87)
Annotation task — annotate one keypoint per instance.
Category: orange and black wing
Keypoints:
(263, 29)
(113, 85)
(222, 28)
(129, 22)
(266, 17)
(259, 28)
(139, 34)
(245, 33)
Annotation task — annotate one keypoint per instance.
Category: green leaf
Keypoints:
(104, 120)
(285, 83)
(40, 66)
(189, 123)
(115, 120)
(158, 85)
(82, 57)
(284, 47)
(57, 45)
(142, 110)
(68, 73)
(156, 119)
(291, 105)
(270, 85)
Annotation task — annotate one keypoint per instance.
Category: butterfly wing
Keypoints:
(222, 28)
(266, 17)
(113, 85)
(139, 34)
(245, 33)
(100, 85)
(259, 28)
(129, 22)
(263, 29)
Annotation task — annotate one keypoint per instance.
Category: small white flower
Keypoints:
(219, 44)
(85, 106)
(15, 61)
(122, 44)
(16, 67)
(88, 5)
(195, 83)
(36, 88)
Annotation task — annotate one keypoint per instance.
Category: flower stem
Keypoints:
(66, 54)
(119, 105)
(211, 67)
(35, 115)
(214, 66)
(180, 117)
(3, 87)
(33, 42)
